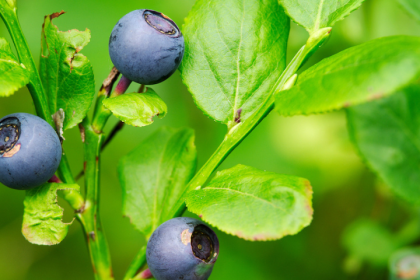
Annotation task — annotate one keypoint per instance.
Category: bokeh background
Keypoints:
(314, 147)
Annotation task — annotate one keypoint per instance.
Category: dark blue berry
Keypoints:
(146, 46)
(30, 151)
(182, 248)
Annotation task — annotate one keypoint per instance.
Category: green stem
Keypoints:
(136, 265)
(90, 217)
(9, 16)
(107, 140)
(101, 114)
(75, 199)
(97, 244)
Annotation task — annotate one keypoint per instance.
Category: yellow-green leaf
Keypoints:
(137, 109)
(42, 217)
(359, 74)
(13, 75)
(254, 204)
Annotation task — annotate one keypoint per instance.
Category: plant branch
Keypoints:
(108, 139)
(102, 114)
(112, 134)
(74, 198)
(98, 247)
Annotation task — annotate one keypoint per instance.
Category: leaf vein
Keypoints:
(247, 194)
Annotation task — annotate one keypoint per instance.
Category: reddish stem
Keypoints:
(122, 86)
(54, 179)
(146, 274)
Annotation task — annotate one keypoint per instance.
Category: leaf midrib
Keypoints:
(238, 64)
(318, 16)
(247, 194)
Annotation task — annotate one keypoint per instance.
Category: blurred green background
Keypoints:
(315, 147)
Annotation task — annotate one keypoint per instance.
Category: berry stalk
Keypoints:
(136, 265)
(145, 274)
(102, 114)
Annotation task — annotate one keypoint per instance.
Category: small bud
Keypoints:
(290, 82)
(319, 37)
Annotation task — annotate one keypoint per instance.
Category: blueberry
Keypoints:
(30, 151)
(182, 248)
(146, 46)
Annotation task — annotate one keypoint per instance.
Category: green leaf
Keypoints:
(412, 7)
(13, 74)
(405, 264)
(234, 53)
(369, 71)
(42, 223)
(66, 74)
(137, 109)
(368, 241)
(154, 175)
(254, 204)
(317, 14)
(387, 136)
(10, 3)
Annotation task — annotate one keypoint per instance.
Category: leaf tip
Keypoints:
(56, 15)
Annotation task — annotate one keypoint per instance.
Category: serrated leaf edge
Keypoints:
(308, 191)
